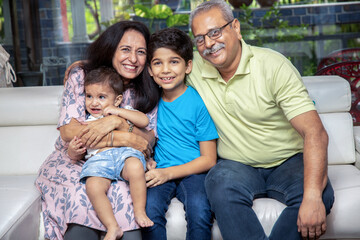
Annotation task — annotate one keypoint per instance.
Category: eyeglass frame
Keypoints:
(220, 29)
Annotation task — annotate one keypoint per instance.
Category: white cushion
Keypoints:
(267, 210)
(19, 207)
(341, 148)
(176, 223)
(357, 137)
(329, 93)
(24, 148)
(30, 105)
(344, 219)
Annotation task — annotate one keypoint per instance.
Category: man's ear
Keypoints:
(150, 71)
(188, 67)
(236, 26)
(118, 100)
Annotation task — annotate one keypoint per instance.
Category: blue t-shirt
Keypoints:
(181, 125)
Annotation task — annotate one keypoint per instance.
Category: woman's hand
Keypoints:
(96, 130)
(139, 143)
(155, 177)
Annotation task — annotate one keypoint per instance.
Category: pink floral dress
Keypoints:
(63, 197)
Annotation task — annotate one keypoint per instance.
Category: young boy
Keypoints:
(186, 146)
(103, 95)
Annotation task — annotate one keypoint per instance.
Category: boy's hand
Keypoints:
(150, 164)
(76, 149)
(156, 177)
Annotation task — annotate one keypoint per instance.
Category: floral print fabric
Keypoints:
(63, 197)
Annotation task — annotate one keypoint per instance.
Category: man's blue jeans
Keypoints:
(232, 186)
(191, 192)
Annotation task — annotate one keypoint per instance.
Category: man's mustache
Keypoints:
(214, 48)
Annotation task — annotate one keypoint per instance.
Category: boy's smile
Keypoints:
(168, 70)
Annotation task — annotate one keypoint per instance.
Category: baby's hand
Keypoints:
(76, 148)
(111, 110)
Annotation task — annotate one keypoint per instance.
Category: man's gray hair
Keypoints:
(222, 5)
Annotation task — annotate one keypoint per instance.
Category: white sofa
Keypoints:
(28, 132)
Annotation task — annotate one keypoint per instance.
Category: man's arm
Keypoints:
(312, 214)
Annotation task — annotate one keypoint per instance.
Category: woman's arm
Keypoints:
(89, 133)
(207, 160)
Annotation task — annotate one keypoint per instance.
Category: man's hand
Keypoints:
(155, 177)
(312, 218)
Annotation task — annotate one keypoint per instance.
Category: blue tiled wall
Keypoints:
(53, 45)
(324, 14)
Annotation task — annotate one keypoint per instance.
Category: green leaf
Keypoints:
(177, 20)
(142, 11)
(161, 11)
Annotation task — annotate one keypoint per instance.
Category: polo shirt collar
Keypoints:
(246, 55)
(209, 71)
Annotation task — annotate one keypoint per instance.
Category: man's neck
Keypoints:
(228, 73)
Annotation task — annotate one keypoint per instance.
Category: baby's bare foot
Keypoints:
(113, 233)
(142, 219)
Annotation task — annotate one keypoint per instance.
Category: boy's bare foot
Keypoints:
(113, 233)
(142, 219)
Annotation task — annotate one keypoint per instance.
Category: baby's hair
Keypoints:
(173, 39)
(105, 75)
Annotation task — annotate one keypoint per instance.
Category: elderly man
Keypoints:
(271, 140)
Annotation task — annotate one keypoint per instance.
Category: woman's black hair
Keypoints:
(102, 51)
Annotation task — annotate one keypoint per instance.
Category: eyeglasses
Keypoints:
(213, 34)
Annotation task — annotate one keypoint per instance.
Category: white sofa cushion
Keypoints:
(30, 105)
(24, 148)
(329, 93)
(28, 129)
(339, 126)
(176, 223)
(344, 219)
(357, 137)
(19, 207)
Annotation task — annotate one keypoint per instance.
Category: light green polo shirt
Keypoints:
(252, 110)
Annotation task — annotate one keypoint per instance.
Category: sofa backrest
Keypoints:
(29, 116)
(332, 98)
(28, 131)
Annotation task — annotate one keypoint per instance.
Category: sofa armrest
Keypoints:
(357, 145)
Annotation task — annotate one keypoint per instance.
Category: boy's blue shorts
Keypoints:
(109, 163)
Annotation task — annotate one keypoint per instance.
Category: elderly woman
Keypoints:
(67, 211)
